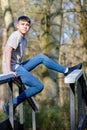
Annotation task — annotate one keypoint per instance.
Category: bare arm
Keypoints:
(8, 51)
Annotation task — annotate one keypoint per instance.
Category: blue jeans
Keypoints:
(35, 86)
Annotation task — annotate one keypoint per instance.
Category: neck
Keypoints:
(22, 35)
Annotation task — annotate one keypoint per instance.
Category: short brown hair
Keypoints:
(25, 18)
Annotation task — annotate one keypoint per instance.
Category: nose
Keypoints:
(25, 26)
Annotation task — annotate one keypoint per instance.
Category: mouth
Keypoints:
(24, 30)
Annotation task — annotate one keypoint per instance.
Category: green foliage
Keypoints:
(2, 116)
(53, 117)
(48, 117)
(27, 117)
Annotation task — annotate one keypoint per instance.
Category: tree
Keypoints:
(50, 41)
(8, 28)
(82, 20)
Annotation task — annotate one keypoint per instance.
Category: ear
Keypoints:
(17, 26)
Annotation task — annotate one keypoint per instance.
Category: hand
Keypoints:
(14, 73)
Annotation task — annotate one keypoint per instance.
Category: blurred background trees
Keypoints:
(59, 30)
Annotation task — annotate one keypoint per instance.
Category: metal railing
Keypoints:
(11, 123)
(78, 99)
(78, 95)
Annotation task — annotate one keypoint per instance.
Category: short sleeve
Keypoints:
(14, 40)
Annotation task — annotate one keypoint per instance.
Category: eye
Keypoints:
(22, 24)
(27, 24)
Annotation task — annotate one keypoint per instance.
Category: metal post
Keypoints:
(33, 120)
(21, 112)
(81, 106)
(72, 107)
(11, 114)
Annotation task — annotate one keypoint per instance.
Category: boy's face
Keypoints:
(23, 27)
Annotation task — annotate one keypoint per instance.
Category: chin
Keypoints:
(23, 33)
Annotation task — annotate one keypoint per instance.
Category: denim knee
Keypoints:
(41, 56)
(40, 87)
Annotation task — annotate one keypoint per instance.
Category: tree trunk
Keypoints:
(8, 28)
(50, 37)
(82, 19)
(8, 17)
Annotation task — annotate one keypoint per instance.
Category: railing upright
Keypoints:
(11, 123)
(78, 99)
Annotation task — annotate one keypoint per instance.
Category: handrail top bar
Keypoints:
(4, 78)
(6, 74)
(73, 76)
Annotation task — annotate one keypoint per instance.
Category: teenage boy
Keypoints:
(13, 53)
